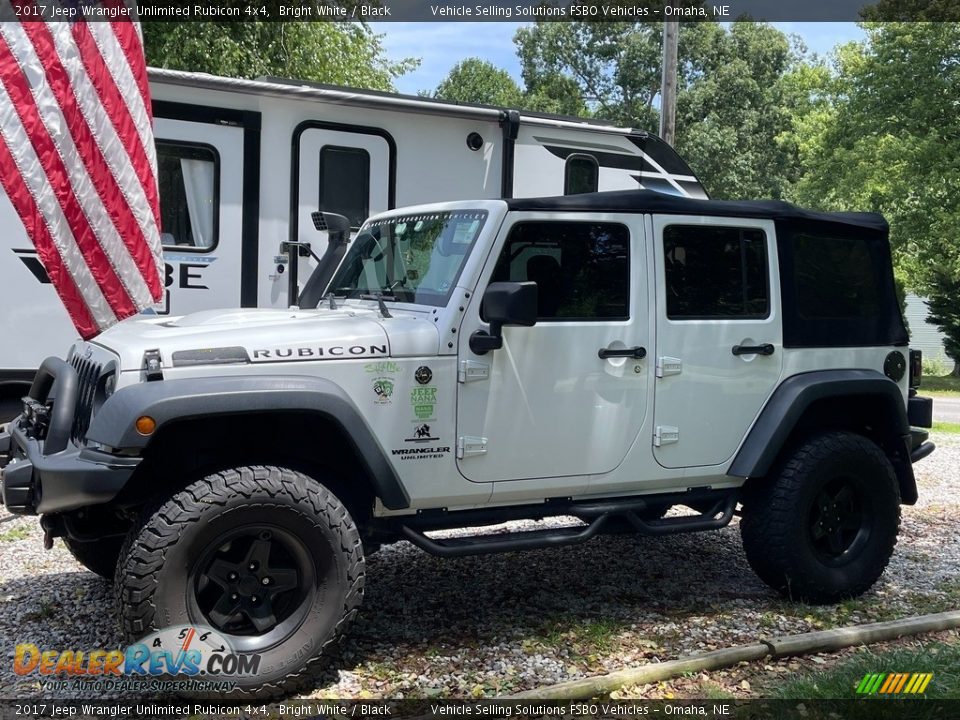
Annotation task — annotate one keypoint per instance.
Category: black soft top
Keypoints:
(647, 201)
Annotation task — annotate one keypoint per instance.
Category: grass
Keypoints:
(14, 534)
(947, 385)
(946, 427)
(840, 681)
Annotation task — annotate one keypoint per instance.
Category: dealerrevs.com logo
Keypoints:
(185, 658)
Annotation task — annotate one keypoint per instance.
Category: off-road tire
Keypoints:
(97, 556)
(154, 584)
(780, 513)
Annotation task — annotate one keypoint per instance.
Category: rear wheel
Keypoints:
(824, 527)
(267, 558)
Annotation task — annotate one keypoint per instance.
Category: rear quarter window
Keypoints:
(835, 277)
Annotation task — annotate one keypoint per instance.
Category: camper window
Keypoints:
(715, 272)
(581, 269)
(581, 174)
(345, 182)
(189, 183)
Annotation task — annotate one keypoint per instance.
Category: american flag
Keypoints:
(77, 158)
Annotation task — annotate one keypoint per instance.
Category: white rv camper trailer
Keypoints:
(242, 164)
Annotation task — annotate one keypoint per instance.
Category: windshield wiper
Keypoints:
(384, 312)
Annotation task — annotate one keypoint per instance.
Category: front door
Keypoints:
(719, 335)
(546, 404)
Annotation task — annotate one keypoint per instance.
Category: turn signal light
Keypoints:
(146, 425)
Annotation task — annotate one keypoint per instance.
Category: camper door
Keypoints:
(200, 169)
(341, 171)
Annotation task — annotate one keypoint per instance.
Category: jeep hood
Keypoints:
(215, 337)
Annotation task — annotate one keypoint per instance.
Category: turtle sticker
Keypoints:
(383, 390)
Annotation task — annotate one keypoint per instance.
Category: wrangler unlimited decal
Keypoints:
(333, 352)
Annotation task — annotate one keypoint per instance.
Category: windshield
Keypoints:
(412, 258)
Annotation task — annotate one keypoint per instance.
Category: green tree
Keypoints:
(607, 70)
(735, 107)
(944, 306)
(339, 53)
(736, 97)
(478, 81)
(889, 141)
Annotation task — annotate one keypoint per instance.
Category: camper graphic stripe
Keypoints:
(78, 159)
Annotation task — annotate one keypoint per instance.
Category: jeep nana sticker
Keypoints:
(423, 400)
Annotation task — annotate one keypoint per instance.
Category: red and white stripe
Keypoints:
(78, 162)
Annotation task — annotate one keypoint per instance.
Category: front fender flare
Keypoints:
(113, 424)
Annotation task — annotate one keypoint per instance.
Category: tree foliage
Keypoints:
(478, 81)
(340, 53)
(735, 106)
(607, 70)
(889, 140)
(735, 101)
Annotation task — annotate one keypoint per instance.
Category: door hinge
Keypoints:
(471, 370)
(668, 366)
(467, 446)
(666, 435)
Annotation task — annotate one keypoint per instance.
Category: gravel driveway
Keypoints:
(496, 624)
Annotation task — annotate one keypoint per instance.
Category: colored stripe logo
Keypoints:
(894, 683)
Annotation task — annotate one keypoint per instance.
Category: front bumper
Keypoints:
(48, 471)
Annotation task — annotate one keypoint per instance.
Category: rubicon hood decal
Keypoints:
(290, 353)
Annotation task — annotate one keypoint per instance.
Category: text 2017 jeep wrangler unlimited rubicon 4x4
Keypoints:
(604, 357)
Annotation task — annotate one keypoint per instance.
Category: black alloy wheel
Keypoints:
(839, 525)
(256, 584)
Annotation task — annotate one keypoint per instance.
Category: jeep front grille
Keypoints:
(88, 373)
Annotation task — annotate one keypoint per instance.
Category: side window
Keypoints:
(715, 272)
(189, 183)
(581, 174)
(835, 277)
(345, 182)
(582, 269)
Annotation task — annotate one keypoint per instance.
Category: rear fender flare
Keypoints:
(795, 395)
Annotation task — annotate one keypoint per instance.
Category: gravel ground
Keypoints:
(498, 624)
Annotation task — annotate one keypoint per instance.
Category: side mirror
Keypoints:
(505, 303)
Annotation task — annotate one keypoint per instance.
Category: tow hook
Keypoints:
(51, 529)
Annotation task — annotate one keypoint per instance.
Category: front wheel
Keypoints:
(266, 558)
(824, 526)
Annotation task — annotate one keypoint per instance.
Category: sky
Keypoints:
(441, 45)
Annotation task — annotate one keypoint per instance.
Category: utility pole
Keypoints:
(668, 83)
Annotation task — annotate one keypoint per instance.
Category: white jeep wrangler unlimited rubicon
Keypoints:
(603, 357)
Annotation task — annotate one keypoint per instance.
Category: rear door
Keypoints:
(719, 334)
(200, 168)
(338, 170)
